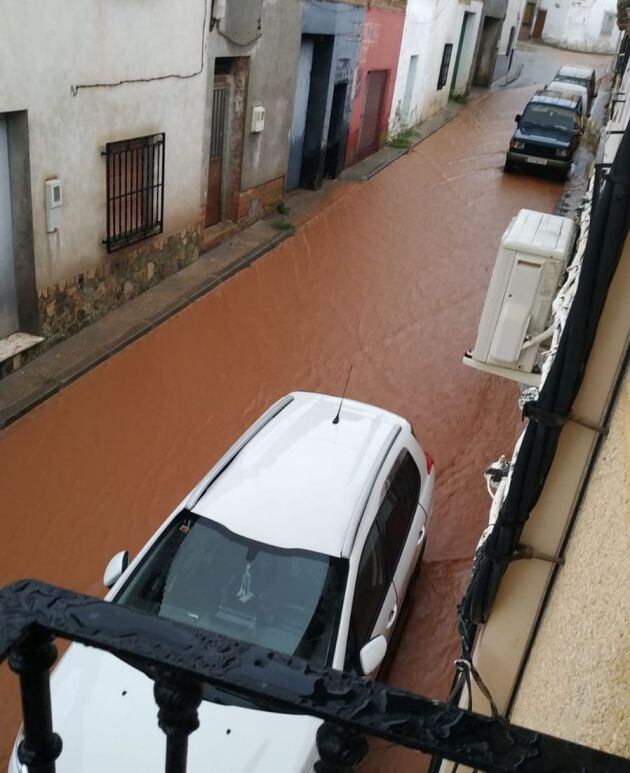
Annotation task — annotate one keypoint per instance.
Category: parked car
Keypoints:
(583, 76)
(565, 87)
(547, 133)
(303, 538)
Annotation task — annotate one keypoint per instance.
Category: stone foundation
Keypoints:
(253, 202)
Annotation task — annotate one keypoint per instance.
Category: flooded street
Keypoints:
(390, 278)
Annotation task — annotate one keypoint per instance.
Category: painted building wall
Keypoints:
(513, 16)
(380, 50)
(427, 29)
(581, 25)
(95, 42)
(575, 685)
(341, 24)
(271, 83)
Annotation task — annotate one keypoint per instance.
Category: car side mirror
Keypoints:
(372, 654)
(115, 568)
(518, 117)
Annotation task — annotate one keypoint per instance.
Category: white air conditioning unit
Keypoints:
(529, 266)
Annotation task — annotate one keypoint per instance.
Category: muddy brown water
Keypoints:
(390, 277)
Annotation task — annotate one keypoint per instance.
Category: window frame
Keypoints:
(445, 65)
(134, 190)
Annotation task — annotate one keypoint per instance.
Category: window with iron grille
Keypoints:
(446, 61)
(134, 178)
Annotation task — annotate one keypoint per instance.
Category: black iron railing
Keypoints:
(180, 658)
(134, 179)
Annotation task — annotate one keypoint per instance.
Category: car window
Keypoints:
(552, 118)
(370, 587)
(203, 574)
(397, 509)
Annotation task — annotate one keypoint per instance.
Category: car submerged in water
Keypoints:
(547, 133)
(302, 539)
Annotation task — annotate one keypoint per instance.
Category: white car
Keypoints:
(303, 538)
(566, 87)
(583, 76)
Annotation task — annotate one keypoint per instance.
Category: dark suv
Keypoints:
(547, 133)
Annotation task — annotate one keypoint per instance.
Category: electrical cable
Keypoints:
(74, 90)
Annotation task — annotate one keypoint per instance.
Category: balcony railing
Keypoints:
(180, 658)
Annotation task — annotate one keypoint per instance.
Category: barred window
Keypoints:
(135, 190)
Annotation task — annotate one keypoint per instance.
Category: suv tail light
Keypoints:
(430, 463)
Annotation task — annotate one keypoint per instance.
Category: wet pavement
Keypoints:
(390, 277)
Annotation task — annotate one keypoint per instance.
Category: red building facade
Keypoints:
(374, 81)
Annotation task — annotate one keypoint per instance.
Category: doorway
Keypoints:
(539, 24)
(9, 321)
(526, 25)
(334, 145)
(409, 85)
(300, 106)
(488, 51)
(369, 133)
(465, 42)
(214, 198)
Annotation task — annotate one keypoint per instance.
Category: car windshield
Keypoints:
(202, 574)
(549, 118)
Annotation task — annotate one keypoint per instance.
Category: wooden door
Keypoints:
(217, 150)
(539, 24)
(373, 105)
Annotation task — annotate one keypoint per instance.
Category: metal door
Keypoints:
(302, 89)
(372, 108)
(8, 298)
(217, 146)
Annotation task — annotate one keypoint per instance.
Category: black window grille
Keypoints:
(446, 61)
(134, 178)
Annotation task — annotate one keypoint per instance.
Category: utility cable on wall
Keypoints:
(74, 90)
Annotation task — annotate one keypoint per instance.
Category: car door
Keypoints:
(374, 603)
(402, 520)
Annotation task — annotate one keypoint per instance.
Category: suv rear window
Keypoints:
(549, 117)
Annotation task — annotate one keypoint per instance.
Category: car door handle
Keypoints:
(392, 617)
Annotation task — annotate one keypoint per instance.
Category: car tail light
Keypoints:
(430, 463)
(516, 145)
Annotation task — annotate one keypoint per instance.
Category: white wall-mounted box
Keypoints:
(258, 119)
(53, 197)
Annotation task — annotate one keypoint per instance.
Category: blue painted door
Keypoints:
(298, 127)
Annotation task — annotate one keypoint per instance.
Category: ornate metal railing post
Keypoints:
(178, 700)
(31, 660)
(340, 750)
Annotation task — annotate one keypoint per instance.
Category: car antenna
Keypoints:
(336, 419)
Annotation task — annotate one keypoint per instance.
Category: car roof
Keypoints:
(575, 71)
(561, 99)
(301, 482)
(568, 87)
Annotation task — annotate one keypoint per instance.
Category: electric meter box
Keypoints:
(530, 264)
(53, 199)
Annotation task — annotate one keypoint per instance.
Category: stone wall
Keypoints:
(252, 203)
(71, 304)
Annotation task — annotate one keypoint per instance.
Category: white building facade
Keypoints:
(436, 57)
(579, 25)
